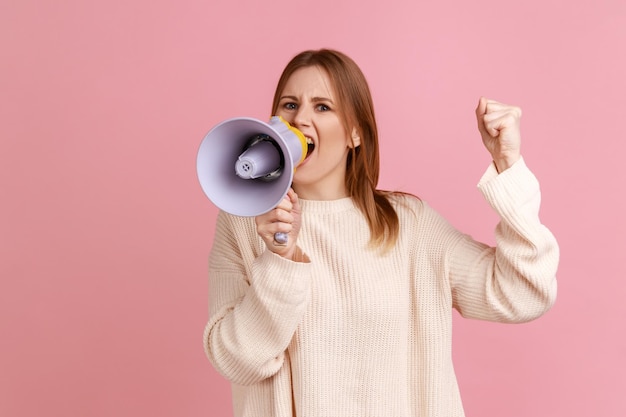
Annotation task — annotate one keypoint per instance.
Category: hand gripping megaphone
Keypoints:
(245, 166)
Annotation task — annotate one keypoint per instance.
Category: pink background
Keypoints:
(105, 232)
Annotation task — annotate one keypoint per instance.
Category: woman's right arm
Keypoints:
(256, 300)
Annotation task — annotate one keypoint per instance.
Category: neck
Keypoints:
(318, 192)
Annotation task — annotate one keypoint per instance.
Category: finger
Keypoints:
(500, 109)
(281, 239)
(281, 226)
(508, 116)
(482, 107)
(268, 232)
(285, 204)
(293, 197)
(493, 105)
(496, 122)
(295, 203)
(281, 216)
(480, 114)
(276, 216)
(280, 236)
(493, 128)
(498, 116)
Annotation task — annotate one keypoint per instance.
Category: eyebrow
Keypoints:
(313, 99)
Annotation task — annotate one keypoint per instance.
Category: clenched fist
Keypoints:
(499, 126)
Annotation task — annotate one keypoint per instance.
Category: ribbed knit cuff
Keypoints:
(280, 278)
(511, 190)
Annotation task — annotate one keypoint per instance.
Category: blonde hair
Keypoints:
(363, 164)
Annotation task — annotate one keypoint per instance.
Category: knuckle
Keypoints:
(283, 217)
(511, 118)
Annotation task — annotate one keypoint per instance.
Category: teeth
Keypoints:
(309, 141)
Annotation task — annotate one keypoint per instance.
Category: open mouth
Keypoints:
(310, 146)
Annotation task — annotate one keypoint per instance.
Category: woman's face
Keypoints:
(309, 103)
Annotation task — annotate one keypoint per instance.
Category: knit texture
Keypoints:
(356, 332)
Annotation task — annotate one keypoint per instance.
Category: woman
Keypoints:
(353, 315)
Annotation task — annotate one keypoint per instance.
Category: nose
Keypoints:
(302, 118)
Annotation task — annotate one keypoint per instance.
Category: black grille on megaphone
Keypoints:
(245, 166)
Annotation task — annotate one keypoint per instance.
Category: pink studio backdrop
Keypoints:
(105, 233)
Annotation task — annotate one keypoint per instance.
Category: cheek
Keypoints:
(284, 115)
(334, 136)
(335, 154)
(338, 143)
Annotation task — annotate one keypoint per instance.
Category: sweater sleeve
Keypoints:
(256, 300)
(515, 281)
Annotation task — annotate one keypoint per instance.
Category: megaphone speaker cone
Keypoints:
(224, 152)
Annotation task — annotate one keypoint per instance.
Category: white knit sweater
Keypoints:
(352, 332)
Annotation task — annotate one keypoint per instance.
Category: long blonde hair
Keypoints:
(363, 164)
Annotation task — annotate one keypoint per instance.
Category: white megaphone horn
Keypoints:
(245, 166)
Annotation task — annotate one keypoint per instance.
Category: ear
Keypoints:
(356, 139)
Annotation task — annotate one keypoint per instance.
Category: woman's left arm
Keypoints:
(515, 281)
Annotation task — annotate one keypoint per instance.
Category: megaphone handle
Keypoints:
(281, 238)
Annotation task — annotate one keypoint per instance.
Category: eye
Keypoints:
(323, 107)
(290, 106)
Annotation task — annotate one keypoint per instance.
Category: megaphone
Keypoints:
(245, 166)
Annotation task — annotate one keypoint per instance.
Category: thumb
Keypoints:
(293, 197)
(481, 111)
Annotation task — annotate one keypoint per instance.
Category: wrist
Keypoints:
(298, 256)
(502, 164)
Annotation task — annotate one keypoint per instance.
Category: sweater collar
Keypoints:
(327, 206)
